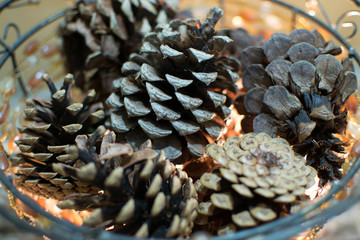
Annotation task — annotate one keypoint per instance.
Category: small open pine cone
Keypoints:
(54, 126)
(102, 34)
(175, 93)
(296, 90)
(143, 193)
(259, 179)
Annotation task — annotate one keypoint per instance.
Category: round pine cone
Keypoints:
(259, 178)
(176, 92)
(53, 126)
(143, 195)
(103, 34)
(296, 90)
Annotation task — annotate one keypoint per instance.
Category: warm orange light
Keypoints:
(249, 16)
(4, 162)
(72, 216)
(110, 228)
(36, 79)
(237, 21)
(351, 104)
(11, 146)
(4, 111)
(274, 22)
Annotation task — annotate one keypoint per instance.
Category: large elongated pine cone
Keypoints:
(54, 126)
(176, 92)
(259, 179)
(144, 194)
(296, 89)
(102, 34)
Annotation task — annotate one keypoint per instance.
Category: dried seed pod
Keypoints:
(160, 101)
(303, 102)
(104, 33)
(261, 179)
(144, 194)
(53, 126)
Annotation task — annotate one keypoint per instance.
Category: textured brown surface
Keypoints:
(52, 126)
(177, 92)
(258, 178)
(144, 194)
(297, 90)
(104, 34)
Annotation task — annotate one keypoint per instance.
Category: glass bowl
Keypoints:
(30, 46)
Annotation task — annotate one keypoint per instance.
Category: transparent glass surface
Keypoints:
(18, 24)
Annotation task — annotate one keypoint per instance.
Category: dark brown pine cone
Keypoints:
(100, 35)
(176, 92)
(53, 126)
(259, 179)
(296, 90)
(241, 40)
(143, 195)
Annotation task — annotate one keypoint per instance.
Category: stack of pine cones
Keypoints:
(166, 88)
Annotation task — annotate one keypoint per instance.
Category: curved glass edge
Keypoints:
(11, 49)
(279, 229)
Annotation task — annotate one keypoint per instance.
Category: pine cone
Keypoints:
(144, 194)
(53, 126)
(241, 40)
(176, 92)
(102, 34)
(259, 179)
(296, 89)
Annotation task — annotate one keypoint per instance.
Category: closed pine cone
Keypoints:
(144, 194)
(53, 126)
(259, 178)
(296, 90)
(102, 34)
(175, 92)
